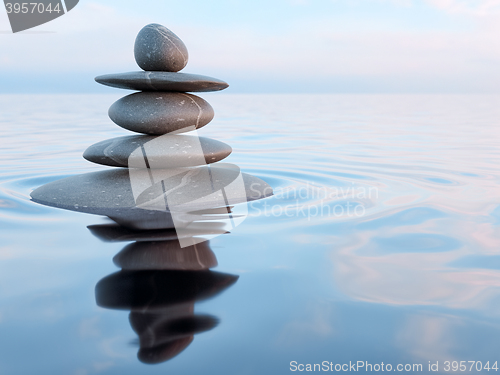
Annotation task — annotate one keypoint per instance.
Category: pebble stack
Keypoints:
(160, 283)
(161, 179)
(162, 166)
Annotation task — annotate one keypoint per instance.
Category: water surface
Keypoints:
(380, 244)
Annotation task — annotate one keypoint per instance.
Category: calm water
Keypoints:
(381, 243)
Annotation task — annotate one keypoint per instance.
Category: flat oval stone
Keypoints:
(143, 199)
(142, 321)
(158, 48)
(117, 233)
(157, 152)
(162, 81)
(141, 290)
(165, 255)
(165, 352)
(159, 113)
(163, 336)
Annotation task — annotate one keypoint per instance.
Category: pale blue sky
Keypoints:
(338, 46)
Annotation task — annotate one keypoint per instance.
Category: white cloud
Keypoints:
(468, 7)
(100, 39)
(93, 36)
(320, 52)
(429, 336)
(414, 279)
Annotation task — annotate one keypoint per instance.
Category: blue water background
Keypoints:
(412, 277)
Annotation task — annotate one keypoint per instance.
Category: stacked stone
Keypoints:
(164, 182)
(162, 165)
(162, 107)
(160, 283)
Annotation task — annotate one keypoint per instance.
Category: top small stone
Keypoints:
(159, 49)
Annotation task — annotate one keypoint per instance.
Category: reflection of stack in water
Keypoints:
(160, 283)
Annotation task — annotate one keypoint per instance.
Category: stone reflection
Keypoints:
(159, 283)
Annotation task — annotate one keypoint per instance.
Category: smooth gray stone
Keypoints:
(166, 337)
(165, 352)
(110, 193)
(142, 321)
(159, 289)
(165, 255)
(162, 81)
(158, 48)
(159, 113)
(117, 233)
(157, 152)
